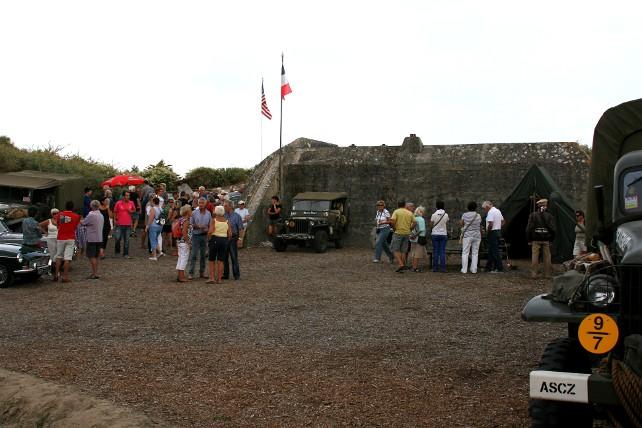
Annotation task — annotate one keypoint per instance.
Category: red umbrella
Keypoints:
(123, 180)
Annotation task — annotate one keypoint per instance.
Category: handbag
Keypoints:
(438, 221)
(461, 234)
(422, 240)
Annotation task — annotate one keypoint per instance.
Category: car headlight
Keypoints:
(311, 222)
(291, 224)
(600, 290)
(20, 258)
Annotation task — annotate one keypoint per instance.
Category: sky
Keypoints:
(133, 82)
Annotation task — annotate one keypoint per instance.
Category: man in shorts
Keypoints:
(93, 223)
(403, 221)
(67, 222)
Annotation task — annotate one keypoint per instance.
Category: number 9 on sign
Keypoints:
(598, 333)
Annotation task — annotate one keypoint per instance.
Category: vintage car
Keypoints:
(316, 217)
(21, 261)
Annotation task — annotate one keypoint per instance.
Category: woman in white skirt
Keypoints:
(51, 232)
(184, 242)
(579, 247)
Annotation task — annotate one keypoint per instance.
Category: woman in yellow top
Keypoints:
(219, 233)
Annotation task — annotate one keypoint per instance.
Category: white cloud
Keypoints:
(134, 82)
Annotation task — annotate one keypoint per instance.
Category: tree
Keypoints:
(235, 175)
(204, 176)
(161, 173)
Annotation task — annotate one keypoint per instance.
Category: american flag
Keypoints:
(264, 108)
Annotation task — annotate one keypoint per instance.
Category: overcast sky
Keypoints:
(132, 82)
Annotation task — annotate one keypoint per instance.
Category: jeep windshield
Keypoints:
(631, 186)
(311, 206)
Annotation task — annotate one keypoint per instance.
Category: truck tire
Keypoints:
(6, 276)
(562, 355)
(280, 245)
(320, 241)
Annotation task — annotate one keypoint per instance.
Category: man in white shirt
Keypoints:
(494, 223)
(245, 215)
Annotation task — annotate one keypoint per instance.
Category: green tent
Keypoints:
(537, 184)
(618, 132)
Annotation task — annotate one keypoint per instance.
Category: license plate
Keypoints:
(559, 386)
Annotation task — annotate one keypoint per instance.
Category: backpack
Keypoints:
(541, 231)
(177, 228)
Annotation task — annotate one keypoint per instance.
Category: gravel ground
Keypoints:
(301, 339)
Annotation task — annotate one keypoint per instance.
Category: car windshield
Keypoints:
(311, 206)
(632, 191)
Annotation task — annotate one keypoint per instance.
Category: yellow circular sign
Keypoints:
(598, 333)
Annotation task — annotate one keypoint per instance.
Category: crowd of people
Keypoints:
(206, 226)
(409, 230)
(202, 225)
(407, 248)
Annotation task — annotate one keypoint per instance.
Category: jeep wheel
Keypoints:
(562, 355)
(280, 245)
(6, 276)
(320, 241)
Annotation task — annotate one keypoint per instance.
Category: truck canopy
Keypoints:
(618, 132)
(320, 196)
(58, 188)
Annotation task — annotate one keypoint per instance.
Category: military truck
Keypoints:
(316, 218)
(595, 371)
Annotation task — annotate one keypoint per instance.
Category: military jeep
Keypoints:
(316, 217)
(595, 371)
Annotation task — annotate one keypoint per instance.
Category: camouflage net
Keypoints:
(628, 387)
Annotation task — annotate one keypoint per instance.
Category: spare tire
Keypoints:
(562, 355)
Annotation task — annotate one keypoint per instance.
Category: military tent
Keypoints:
(537, 184)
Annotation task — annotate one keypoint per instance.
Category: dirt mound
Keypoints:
(28, 401)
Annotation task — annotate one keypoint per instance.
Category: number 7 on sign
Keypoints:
(598, 333)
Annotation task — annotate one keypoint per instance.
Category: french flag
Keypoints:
(285, 86)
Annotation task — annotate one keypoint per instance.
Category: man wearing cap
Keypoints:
(540, 232)
(245, 215)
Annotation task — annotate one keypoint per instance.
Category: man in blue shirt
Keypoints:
(200, 221)
(31, 232)
(236, 223)
(86, 200)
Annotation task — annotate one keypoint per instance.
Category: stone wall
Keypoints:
(419, 173)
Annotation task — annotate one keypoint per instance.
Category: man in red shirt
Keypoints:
(67, 223)
(123, 211)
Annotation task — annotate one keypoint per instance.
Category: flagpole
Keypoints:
(261, 119)
(280, 184)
